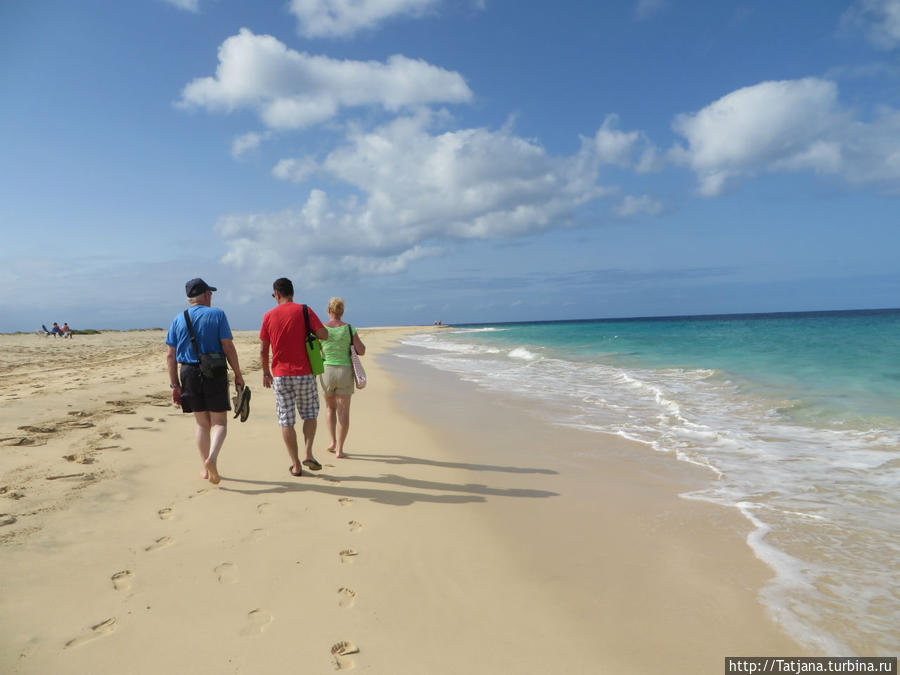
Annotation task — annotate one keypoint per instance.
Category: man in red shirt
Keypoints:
(284, 328)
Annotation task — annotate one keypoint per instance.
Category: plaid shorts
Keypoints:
(295, 392)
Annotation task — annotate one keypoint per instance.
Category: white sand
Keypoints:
(444, 544)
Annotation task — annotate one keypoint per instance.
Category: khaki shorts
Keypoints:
(337, 380)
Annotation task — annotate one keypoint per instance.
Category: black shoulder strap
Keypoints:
(187, 319)
(350, 330)
(306, 318)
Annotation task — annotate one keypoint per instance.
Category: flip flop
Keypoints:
(312, 464)
(242, 403)
(291, 469)
(245, 404)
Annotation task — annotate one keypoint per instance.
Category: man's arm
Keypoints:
(264, 360)
(172, 366)
(232, 358)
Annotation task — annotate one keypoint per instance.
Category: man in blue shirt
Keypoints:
(206, 397)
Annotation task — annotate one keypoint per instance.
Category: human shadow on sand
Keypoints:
(337, 487)
(403, 459)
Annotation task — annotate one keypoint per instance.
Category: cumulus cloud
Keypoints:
(634, 206)
(792, 125)
(878, 19)
(412, 191)
(246, 143)
(292, 90)
(647, 8)
(752, 127)
(187, 5)
(339, 18)
(630, 149)
(295, 170)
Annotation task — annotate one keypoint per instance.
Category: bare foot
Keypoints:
(330, 448)
(204, 475)
(340, 455)
(212, 471)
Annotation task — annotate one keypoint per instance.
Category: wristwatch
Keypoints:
(174, 386)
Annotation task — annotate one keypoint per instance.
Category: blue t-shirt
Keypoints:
(210, 326)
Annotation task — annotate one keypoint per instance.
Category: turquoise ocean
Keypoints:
(795, 418)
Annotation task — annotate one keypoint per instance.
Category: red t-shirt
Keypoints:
(285, 329)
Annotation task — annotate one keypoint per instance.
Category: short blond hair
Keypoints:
(336, 307)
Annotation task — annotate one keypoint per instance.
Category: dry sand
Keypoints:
(462, 535)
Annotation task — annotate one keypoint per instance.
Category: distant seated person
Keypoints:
(65, 330)
(55, 330)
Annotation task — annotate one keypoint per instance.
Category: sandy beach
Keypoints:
(461, 535)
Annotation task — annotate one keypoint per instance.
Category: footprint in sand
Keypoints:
(227, 573)
(340, 652)
(264, 508)
(22, 440)
(199, 493)
(347, 555)
(79, 458)
(166, 513)
(355, 525)
(7, 519)
(345, 501)
(258, 534)
(162, 542)
(257, 620)
(346, 597)
(101, 629)
(122, 580)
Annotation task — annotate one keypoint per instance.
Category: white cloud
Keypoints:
(631, 149)
(295, 170)
(291, 90)
(647, 8)
(749, 129)
(793, 125)
(878, 19)
(635, 206)
(413, 191)
(246, 143)
(187, 5)
(820, 156)
(334, 18)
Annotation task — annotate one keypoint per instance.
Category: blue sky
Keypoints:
(462, 160)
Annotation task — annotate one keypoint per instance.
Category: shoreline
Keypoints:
(436, 548)
(672, 555)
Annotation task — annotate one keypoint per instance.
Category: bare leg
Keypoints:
(217, 432)
(290, 441)
(331, 418)
(203, 441)
(343, 422)
(309, 435)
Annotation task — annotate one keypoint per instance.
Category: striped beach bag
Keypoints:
(359, 373)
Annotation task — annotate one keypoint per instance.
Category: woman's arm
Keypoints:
(360, 347)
